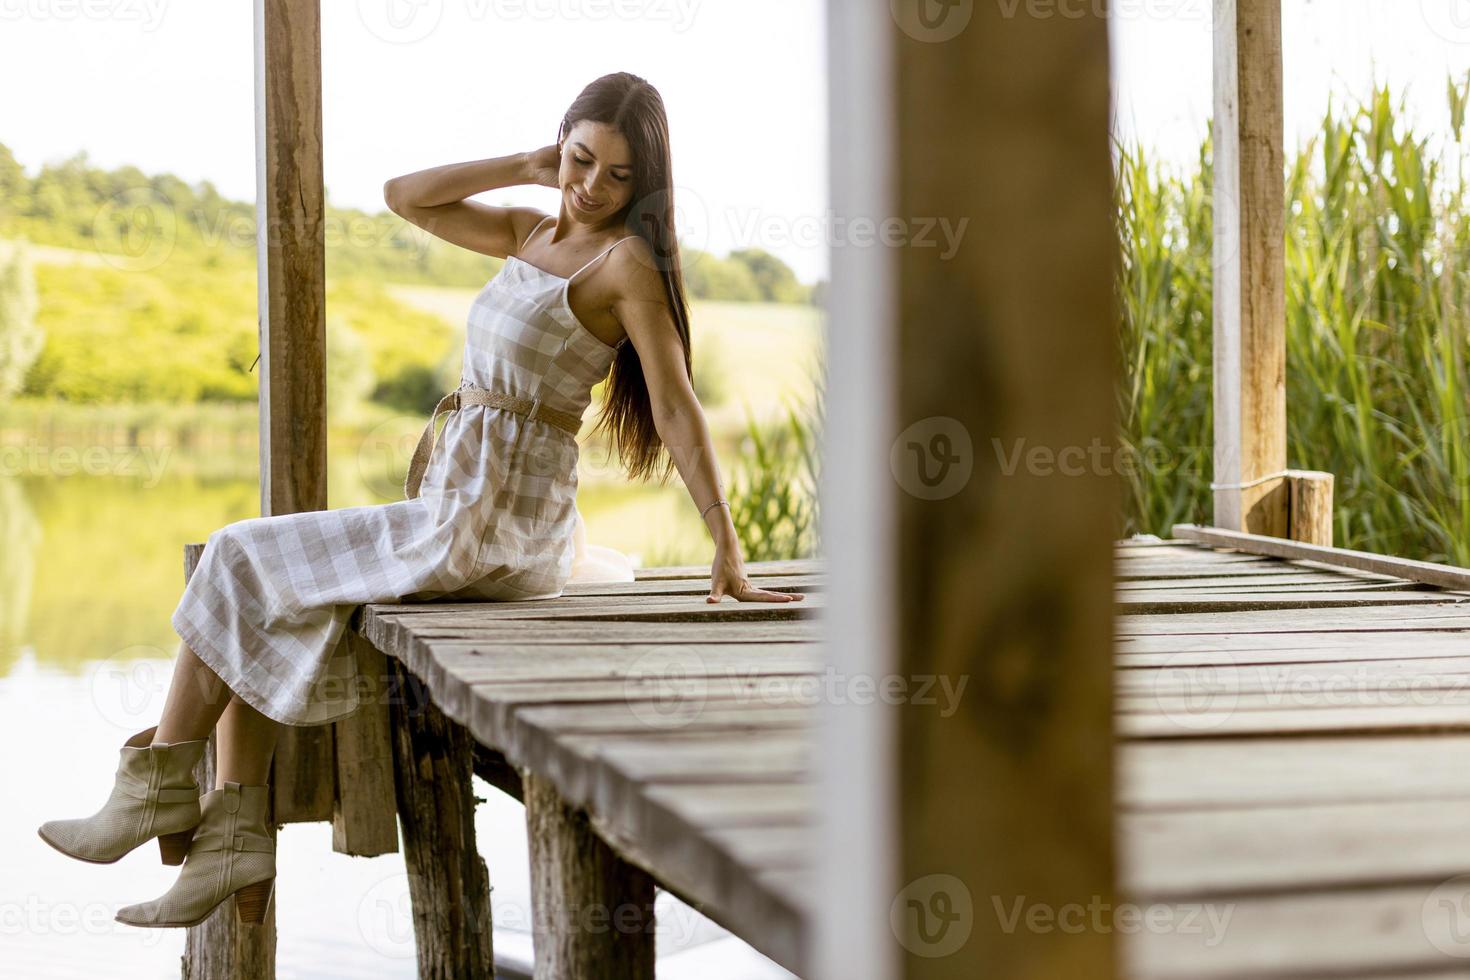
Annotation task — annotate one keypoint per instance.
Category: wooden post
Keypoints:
(290, 211)
(988, 552)
(592, 912)
(220, 947)
(1249, 265)
(365, 817)
(1310, 505)
(448, 883)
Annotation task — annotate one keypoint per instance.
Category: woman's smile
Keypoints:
(583, 203)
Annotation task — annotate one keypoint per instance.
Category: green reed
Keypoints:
(1377, 295)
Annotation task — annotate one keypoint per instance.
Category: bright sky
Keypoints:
(414, 83)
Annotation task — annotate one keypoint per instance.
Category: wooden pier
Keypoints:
(1291, 736)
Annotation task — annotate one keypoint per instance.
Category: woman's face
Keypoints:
(596, 171)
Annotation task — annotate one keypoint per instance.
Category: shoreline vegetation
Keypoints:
(128, 393)
(1377, 306)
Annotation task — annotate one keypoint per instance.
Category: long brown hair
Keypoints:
(631, 105)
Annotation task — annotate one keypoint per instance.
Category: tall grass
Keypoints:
(774, 483)
(1377, 294)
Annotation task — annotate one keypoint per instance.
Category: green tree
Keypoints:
(774, 278)
(20, 337)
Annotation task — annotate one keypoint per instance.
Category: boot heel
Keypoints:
(252, 900)
(173, 847)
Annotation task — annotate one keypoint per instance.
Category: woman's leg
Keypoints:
(247, 739)
(196, 699)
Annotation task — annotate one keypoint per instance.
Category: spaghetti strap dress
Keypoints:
(495, 517)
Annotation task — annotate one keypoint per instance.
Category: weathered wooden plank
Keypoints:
(1411, 617)
(1303, 934)
(391, 631)
(1323, 719)
(686, 586)
(1183, 602)
(1285, 771)
(1444, 576)
(1285, 681)
(1251, 850)
(1278, 648)
(1263, 583)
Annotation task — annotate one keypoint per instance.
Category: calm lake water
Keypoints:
(90, 570)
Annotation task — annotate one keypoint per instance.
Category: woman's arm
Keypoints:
(642, 308)
(436, 199)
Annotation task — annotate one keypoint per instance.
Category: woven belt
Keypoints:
(531, 408)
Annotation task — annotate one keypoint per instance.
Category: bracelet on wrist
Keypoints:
(722, 500)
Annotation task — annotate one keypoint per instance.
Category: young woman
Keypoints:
(593, 292)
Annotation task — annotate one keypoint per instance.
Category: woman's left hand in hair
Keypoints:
(727, 577)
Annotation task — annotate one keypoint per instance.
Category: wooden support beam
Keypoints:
(1001, 386)
(290, 211)
(1250, 268)
(220, 947)
(364, 816)
(492, 767)
(592, 912)
(448, 883)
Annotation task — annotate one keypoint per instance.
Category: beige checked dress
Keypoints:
(495, 517)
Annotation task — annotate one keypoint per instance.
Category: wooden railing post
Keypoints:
(1250, 270)
(591, 911)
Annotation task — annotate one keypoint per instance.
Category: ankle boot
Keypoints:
(233, 853)
(153, 795)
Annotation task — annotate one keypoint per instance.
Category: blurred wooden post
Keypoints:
(992, 355)
(1251, 492)
(291, 274)
(220, 947)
